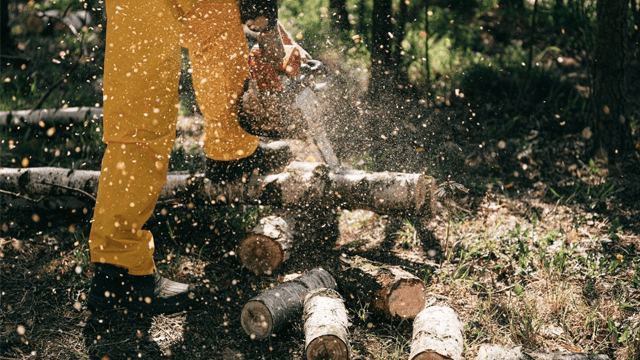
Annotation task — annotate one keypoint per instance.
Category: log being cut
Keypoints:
(437, 335)
(267, 245)
(299, 185)
(326, 326)
(268, 312)
(393, 292)
(495, 352)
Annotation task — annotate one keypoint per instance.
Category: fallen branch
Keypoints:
(299, 185)
(494, 352)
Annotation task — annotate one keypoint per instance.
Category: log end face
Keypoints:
(256, 320)
(261, 254)
(327, 347)
(407, 300)
(430, 355)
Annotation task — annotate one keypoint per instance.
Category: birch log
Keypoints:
(58, 116)
(267, 245)
(268, 312)
(299, 185)
(326, 326)
(437, 335)
(381, 192)
(494, 352)
(392, 291)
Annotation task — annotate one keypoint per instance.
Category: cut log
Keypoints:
(383, 192)
(58, 116)
(267, 245)
(300, 185)
(494, 352)
(326, 326)
(268, 312)
(393, 292)
(437, 335)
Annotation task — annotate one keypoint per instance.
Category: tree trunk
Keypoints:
(268, 312)
(58, 116)
(340, 15)
(612, 130)
(437, 335)
(326, 326)
(381, 60)
(267, 245)
(393, 292)
(493, 352)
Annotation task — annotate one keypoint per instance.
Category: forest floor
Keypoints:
(541, 249)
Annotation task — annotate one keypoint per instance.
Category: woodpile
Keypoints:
(267, 245)
(437, 335)
(393, 292)
(271, 310)
(326, 326)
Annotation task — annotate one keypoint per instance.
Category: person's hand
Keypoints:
(270, 42)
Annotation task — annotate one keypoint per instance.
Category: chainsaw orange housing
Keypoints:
(266, 76)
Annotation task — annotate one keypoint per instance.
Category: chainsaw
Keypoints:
(280, 101)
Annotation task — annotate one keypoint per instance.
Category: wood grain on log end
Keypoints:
(407, 299)
(256, 320)
(327, 347)
(260, 254)
(431, 355)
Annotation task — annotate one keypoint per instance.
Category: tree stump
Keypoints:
(437, 335)
(393, 292)
(267, 245)
(268, 312)
(326, 326)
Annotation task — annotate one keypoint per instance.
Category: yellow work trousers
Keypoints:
(141, 75)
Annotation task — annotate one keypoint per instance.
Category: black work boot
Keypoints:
(267, 159)
(113, 287)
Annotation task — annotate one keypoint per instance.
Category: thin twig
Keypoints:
(91, 197)
(21, 196)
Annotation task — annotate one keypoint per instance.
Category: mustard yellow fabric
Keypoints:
(141, 74)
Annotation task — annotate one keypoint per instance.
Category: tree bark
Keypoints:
(326, 326)
(267, 245)
(437, 335)
(393, 292)
(58, 116)
(268, 312)
(612, 130)
(493, 352)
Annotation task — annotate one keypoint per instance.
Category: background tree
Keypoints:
(612, 129)
(340, 14)
(381, 56)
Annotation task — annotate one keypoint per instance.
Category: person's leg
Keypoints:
(219, 58)
(141, 73)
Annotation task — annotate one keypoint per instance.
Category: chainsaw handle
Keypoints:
(313, 67)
